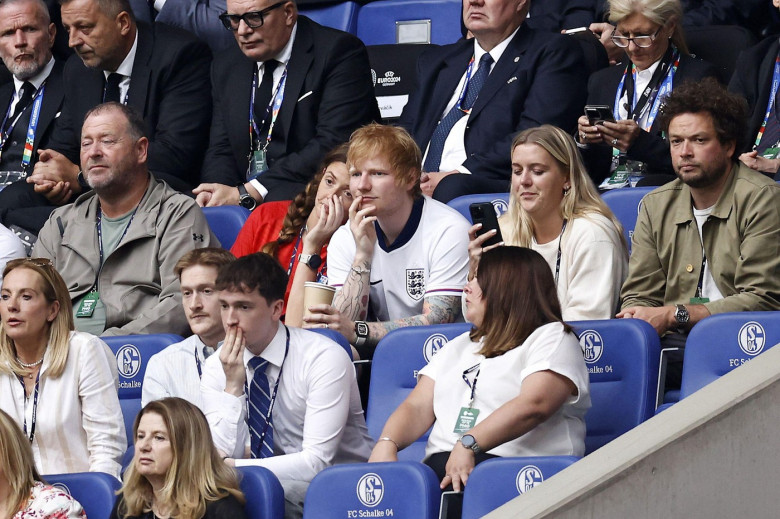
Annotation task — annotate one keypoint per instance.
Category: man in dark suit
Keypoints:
(484, 91)
(26, 39)
(161, 72)
(318, 91)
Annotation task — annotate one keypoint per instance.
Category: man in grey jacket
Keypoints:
(116, 245)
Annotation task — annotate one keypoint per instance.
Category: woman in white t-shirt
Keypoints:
(554, 208)
(515, 385)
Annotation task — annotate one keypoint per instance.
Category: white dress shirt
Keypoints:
(454, 153)
(36, 81)
(174, 372)
(317, 417)
(126, 69)
(643, 78)
(79, 425)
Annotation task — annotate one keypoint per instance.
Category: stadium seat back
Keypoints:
(461, 204)
(132, 353)
(720, 45)
(264, 493)
(397, 359)
(342, 16)
(96, 491)
(622, 356)
(625, 203)
(402, 489)
(410, 21)
(499, 480)
(225, 222)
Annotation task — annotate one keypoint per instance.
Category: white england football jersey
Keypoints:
(429, 258)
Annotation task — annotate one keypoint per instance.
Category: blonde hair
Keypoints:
(660, 12)
(16, 454)
(581, 199)
(392, 143)
(53, 289)
(197, 474)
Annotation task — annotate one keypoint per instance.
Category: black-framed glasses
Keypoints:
(642, 42)
(253, 19)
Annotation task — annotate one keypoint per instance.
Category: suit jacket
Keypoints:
(649, 147)
(50, 108)
(753, 79)
(328, 95)
(539, 79)
(554, 15)
(168, 87)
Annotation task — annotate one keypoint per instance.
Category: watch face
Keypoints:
(467, 440)
(361, 329)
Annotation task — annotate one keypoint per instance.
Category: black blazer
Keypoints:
(539, 79)
(649, 147)
(329, 94)
(168, 86)
(753, 79)
(50, 107)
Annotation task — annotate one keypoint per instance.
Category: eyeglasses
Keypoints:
(642, 42)
(253, 19)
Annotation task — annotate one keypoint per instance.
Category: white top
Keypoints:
(126, 69)
(500, 378)
(429, 258)
(79, 425)
(317, 417)
(708, 287)
(11, 247)
(36, 81)
(643, 78)
(454, 153)
(174, 372)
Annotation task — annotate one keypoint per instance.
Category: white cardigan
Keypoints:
(79, 425)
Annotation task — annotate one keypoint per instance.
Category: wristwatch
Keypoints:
(313, 261)
(246, 200)
(681, 315)
(470, 442)
(361, 331)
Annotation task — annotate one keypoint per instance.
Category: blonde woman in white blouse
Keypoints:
(59, 385)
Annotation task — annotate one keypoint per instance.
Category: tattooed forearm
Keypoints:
(352, 299)
(436, 310)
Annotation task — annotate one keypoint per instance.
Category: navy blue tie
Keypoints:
(436, 146)
(262, 446)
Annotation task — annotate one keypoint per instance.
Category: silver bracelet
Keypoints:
(360, 270)
(388, 439)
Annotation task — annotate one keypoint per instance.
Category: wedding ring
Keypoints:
(582, 136)
(614, 142)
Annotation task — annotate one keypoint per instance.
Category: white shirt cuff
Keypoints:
(259, 187)
(158, 5)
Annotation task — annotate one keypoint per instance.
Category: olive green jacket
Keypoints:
(741, 240)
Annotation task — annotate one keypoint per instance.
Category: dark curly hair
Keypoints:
(728, 111)
(303, 203)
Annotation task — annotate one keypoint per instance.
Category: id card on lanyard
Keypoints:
(773, 150)
(258, 161)
(32, 128)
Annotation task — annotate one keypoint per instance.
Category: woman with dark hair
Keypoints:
(301, 229)
(515, 385)
(176, 470)
(23, 494)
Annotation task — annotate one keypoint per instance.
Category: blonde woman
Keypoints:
(58, 385)
(176, 470)
(554, 208)
(23, 495)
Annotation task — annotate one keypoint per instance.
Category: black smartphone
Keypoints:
(485, 213)
(597, 114)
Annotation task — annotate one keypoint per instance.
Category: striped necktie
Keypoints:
(259, 404)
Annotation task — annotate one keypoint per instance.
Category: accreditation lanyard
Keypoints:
(273, 394)
(320, 272)
(197, 363)
(558, 256)
(472, 385)
(32, 128)
(273, 109)
(34, 408)
(772, 94)
(99, 226)
(467, 417)
(462, 94)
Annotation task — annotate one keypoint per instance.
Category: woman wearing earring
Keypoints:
(59, 385)
(554, 209)
(650, 33)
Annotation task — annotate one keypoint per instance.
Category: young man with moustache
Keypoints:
(275, 396)
(176, 370)
(709, 242)
(402, 258)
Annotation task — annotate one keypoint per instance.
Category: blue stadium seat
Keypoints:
(398, 357)
(622, 356)
(462, 203)
(335, 337)
(132, 353)
(96, 491)
(718, 344)
(402, 489)
(377, 21)
(625, 203)
(342, 16)
(499, 480)
(264, 494)
(225, 221)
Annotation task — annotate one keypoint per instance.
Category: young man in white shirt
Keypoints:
(176, 370)
(278, 397)
(402, 258)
